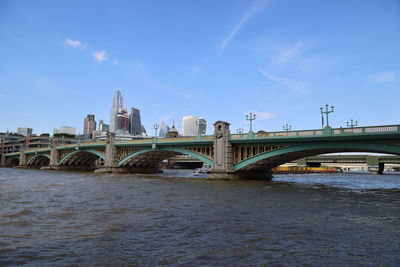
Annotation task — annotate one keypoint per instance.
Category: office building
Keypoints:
(122, 122)
(135, 122)
(89, 125)
(103, 127)
(193, 124)
(24, 131)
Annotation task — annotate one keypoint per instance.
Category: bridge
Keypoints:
(232, 156)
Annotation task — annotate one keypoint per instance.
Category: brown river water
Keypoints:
(54, 218)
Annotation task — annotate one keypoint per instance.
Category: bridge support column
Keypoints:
(223, 153)
(22, 156)
(2, 157)
(374, 166)
(111, 156)
(54, 155)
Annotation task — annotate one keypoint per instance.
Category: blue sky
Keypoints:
(283, 60)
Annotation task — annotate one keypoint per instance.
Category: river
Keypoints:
(55, 218)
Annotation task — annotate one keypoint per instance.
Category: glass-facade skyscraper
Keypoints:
(190, 127)
(135, 122)
(117, 104)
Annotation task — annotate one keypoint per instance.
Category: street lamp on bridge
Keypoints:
(351, 125)
(326, 112)
(155, 127)
(251, 118)
(287, 127)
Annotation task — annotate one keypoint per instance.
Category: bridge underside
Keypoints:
(38, 162)
(147, 162)
(82, 161)
(267, 164)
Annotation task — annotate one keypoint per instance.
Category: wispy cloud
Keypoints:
(75, 43)
(382, 77)
(1, 95)
(295, 85)
(115, 62)
(253, 10)
(262, 115)
(287, 54)
(100, 56)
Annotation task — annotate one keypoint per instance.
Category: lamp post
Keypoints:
(239, 131)
(326, 112)
(155, 127)
(251, 118)
(351, 125)
(287, 127)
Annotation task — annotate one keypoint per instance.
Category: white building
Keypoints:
(65, 130)
(193, 124)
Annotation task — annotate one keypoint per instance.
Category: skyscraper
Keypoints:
(89, 125)
(135, 122)
(164, 129)
(117, 104)
(190, 127)
(122, 123)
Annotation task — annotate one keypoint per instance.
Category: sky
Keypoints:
(221, 60)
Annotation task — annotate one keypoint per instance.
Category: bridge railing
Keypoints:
(385, 129)
(165, 139)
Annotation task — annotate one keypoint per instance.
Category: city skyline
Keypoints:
(278, 59)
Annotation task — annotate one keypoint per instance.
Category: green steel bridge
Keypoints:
(251, 155)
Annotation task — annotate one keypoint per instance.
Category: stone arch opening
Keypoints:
(39, 161)
(269, 160)
(151, 158)
(82, 160)
(12, 162)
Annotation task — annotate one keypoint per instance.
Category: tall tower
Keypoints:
(89, 125)
(135, 122)
(117, 104)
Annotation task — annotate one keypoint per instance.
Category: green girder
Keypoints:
(368, 147)
(179, 150)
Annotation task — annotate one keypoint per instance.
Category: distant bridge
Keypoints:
(250, 155)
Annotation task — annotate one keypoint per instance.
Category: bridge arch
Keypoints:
(163, 153)
(81, 157)
(39, 160)
(280, 156)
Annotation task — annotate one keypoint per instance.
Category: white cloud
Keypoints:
(383, 77)
(75, 43)
(100, 56)
(262, 115)
(297, 86)
(115, 62)
(253, 10)
(1, 95)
